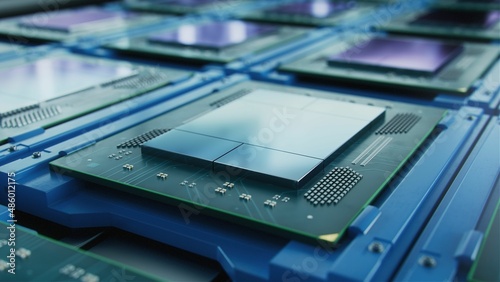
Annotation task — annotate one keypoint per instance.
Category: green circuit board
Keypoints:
(24, 256)
(76, 85)
(296, 162)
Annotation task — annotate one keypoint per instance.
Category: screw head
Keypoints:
(427, 261)
(376, 247)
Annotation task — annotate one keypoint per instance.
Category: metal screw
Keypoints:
(427, 261)
(36, 155)
(13, 148)
(376, 247)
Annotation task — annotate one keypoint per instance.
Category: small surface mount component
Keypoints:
(270, 203)
(75, 24)
(26, 260)
(60, 86)
(480, 25)
(128, 167)
(209, 41)
(220, 190)
(408, 63)
(245, 197)
(162, 176)
(269, 167)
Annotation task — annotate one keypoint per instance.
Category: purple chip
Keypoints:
(316, 9)
(213, 35)
(472, 19)
(70, 20)
(414, 55)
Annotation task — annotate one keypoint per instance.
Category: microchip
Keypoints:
(390, 54)
(296, 162)
(214, 35)
(52, 78)
(60, 86)
(411, 63)
(216, 41)
(75, 24)
(276, 158)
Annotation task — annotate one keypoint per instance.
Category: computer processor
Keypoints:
(74, 24)
(209, 41)
(410, 63)
(51, 89)
(450, 23)
(296, 162)
(312, 13)
(184, 6)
